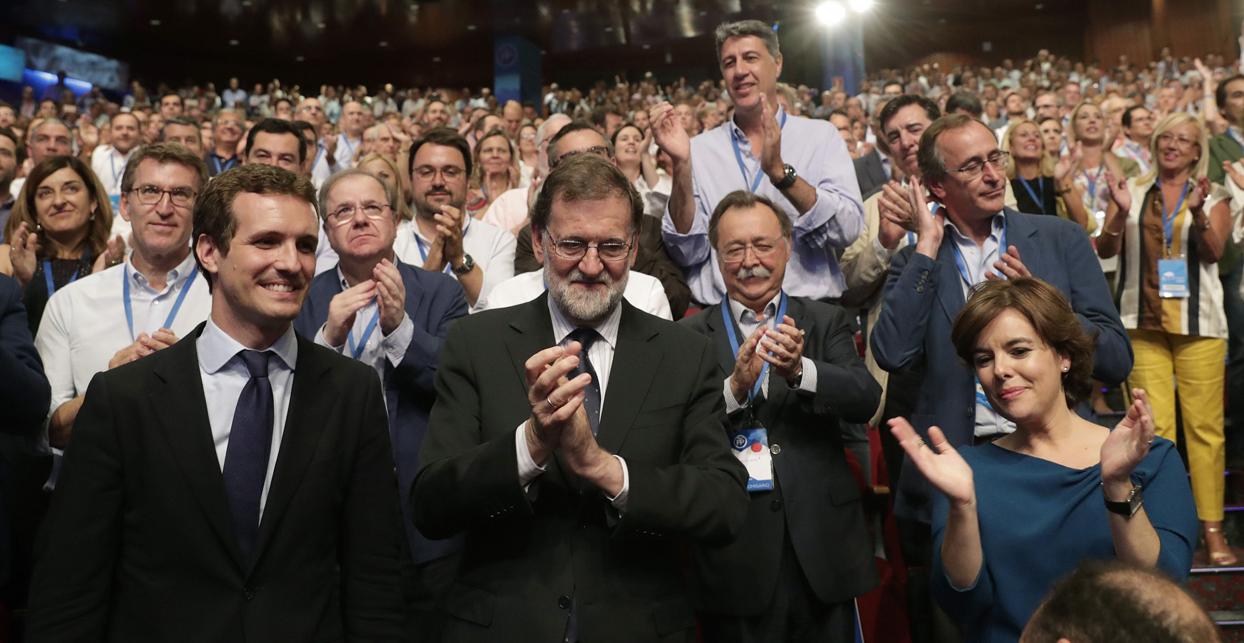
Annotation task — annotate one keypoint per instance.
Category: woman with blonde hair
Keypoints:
(385, 169)
(1169, 230)
(58, 231)
(1091, 156)
(495, 171)
(1041, 185)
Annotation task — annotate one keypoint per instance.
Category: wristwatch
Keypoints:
(1126, 508)
(467, 265)
(788, 179)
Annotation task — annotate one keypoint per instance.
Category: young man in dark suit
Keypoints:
(577, 442)
(237, 485)
(393, 317)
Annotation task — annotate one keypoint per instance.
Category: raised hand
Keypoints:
(22, 253)
(449, 229)
(1119, 193)
(1009, 265)
(113, 254)
(783, 348)
(344, 306)
(897, 216)
(928, 226)
(771, 153)
(1129, 442)
(747, 366)
(390, 295)
(939, 463)
(668, 131)
(1198, 193)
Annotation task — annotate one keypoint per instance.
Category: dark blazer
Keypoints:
(816, 500)
(433, 300)
(870, 173)
(530, 556)
(652, 260)
(138, 544)
(923, 297)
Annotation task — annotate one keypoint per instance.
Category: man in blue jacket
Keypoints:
(393, 317)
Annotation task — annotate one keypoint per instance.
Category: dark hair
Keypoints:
(213, 210)
(283, 99)
(1103, 601)
(1127, 114)
(573, 126)
(184, 121)
(100, 226)
(8, 133)
(838, 111)
(1220, 94)
(613, 140)
(445, 137)
(929, 158)
(120, 114)
(741, 28)
(899, 102)
(303, 127)
(1045, 307)
(744, 199)
(965, 101)
(584, 177)
(164, 153)
(180, 100)
(277, 126)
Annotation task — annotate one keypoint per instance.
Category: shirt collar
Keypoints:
(740, 311)
(216, 348)
(608, 329)
(999, 221)
(738, 133)
(174, 278)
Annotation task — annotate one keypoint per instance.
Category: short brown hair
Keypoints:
(163, 153)
(24, 211)
(213, 210)
(1045, 307)
(929, 158)
(742, 28)
(585, 177)
(744, 199)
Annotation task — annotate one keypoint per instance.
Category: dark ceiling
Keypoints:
(449, 42)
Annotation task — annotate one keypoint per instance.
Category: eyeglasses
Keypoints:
(762, 248)
(598, 150)
(344, 214)
(997, 160)
(1178, 141)
(151, 195)
(450, 172)
(576, 249)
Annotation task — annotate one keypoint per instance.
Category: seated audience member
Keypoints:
(800, 164)
(393, 317)
(227, 132)
(385, 169)
(1171, 232)
(59, 234)
(307, 132)
(965, 103)
(441, 237)
(973, 238)
(185, 132)
(577, 442)
(793, 370)
(237, 485)
(132, 310)
(631, 149)
(495, 171)
(379, 139)
(1012, 517)
(581, 138)
(8, 171)
(1040, 185)
(509, 211)
(1108, 601)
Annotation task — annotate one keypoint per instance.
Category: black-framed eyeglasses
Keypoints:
(151, 195)
(997, 160)
(575, 249)
(344, 213)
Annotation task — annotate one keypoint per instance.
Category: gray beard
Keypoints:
(585, 308)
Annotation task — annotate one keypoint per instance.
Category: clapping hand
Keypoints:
(668, 131)
(783, 348)
(940, 463)
(1129, 442)
(113, 254)
(22, 252)
(1009, 265)
(747, 366)
(1198, 193)
(556, 400)
(1118, 192)
(390, 295)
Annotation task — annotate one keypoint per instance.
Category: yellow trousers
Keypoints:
(1193, 365)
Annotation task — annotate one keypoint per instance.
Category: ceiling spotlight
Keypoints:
(233, 42)
(470, 27)
(860, 6)
(831, 13)
(383, 43)
(154, 22)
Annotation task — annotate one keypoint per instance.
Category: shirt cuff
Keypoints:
(528, 470)
(807, 379)
(395, 344)
(619, 501)
(322, 341)
(732, 404)
(881, 250)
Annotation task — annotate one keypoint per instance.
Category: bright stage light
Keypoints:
(831, 13)
(860, 6)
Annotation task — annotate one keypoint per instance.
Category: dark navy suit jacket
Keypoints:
(433, 301)
(922, 298)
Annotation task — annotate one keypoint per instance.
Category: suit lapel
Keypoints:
(950, 284)
(721, 341)
(533, 332)
(303, 425)
(414, 291)
(629, 379)
(179, 403)
(1022, 234)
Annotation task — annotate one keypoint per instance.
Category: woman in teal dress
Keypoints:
(1015, 515)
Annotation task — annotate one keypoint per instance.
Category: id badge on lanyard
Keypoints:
(1172, 270)
(751, 447)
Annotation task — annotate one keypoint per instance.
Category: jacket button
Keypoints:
(775, 449)
(775, 505)
(563, 602)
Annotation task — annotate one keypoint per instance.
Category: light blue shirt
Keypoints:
(224, 376)
(819, 156)
(379, 349)
(748, 323)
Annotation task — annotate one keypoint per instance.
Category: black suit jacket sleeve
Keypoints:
(844, 387)
(80, 540)
(417, 370)
(25, 393)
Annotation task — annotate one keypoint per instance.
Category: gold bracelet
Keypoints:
(1108, 233)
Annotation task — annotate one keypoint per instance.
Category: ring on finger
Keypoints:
(552, 407)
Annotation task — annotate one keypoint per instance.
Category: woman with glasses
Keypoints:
(1169, 231)
(1042, 186)
(58, 232)
(496, 170)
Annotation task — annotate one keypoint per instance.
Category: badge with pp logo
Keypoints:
(751, 447)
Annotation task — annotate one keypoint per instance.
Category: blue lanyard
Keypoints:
(738, 156)
(112, 164)
(357, 349)
(734, 339)
(47, 277)
(1092, 182)
(423, 254)
(172, 314)
(229, 164)
(963, 266)
(1036, 196)
(1168, 216)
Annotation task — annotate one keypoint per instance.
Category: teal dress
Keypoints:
(1039, 519)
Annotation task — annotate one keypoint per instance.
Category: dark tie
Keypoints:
(591, 401)
(246, 458)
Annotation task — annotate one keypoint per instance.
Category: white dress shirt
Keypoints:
(644, 292)
(490, 247)
(748, 323)
(601, 357)
(109, 165)
(508, 211)
(224, 376)
(345, 151)
(378, 348)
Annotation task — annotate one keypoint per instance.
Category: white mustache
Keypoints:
(755, 271)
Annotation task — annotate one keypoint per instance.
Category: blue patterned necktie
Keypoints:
(246, 458)
(591, 401)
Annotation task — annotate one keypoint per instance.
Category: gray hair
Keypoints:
(390, 195)
(738, 29)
